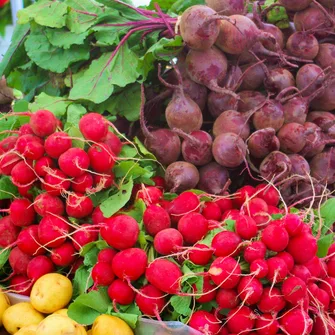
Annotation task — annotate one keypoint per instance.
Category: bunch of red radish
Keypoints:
(55, 180)
(264, 276)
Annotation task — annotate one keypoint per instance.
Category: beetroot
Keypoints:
(326, 55)
(276, 80)
(229, 150)
(304, 45)
(198, 30)
(213, 178)
(253, 76)
(232, 122)
(295, 6)
(323, 167)
(309, 78)
(181, 176)
(262, 142)
(226, 7)
(249, 100)
(271, 115)
(300, 166)
(292, 137)
(276, 165)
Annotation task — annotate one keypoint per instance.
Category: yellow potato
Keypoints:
(4, 304)
(20, 315)
(57, 324)
(51, 292)
(110, 325)
(27, 330)
(89, 332)
(62, 311)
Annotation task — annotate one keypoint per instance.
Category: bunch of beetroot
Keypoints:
(48, 225)
(262, 276)
(245, 93)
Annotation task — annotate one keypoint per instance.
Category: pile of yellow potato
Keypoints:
(46, 314)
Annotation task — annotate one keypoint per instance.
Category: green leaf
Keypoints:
(328, 214)
(7, 189)
(88, 306)
(143, 150)
(209, 237)
(44, 12)
(74, 131)
(4, 255)
(127, 103)
(180, 6)
(56, 105)
(130, 319)
(137, 211)
(181, 305)
(91, 256)
(51, 58)
(131, 168)
(230, 225)
(118, 200)
(74, 114)
(16, 54)
(81, 282)
(324, 244)
(164, 49)
(62, 38)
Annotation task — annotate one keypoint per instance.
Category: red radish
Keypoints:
(303, 248)
(246, 227)
(9, 142)
(28, 241)
(106, 255)
(23, 174)
(193, 227)
(225, 272)
(94, 127)
(211, 211)
(294, 290)
(8, 231)
(293, 224)
(268, 193)
(328, 285)
(155, 219)
(123, 263)
(296, 322)
(200, 254)
(277, 270)
(120, 292)
(322, 326)
(165, 275)
(301, 272)
(321, 299)
(18, 261)
(78, 205)
(226, 243)
(83, 183)
(120, 232)
(272, 301)
(150, 195)
(240, 320)
(243, 194)
(275, 237)
(102, 274)
(204, 322)
(25, 191)
(43, 123)
(197, 29)
(56, 182)
(22, 212)
(57, 143)
(227, 298)
(267, 324)
(314, 266)
(231, 214)
(260, 268)
(103, 181)
(101, 157)
(42, 166)
(21, 284)
(84, 235)
(159, 181)
(52, 231)
(331, 267)
(224, 204)
(7, 162)
(287, 258)
(250, 290)
(30, 146)
(64, 255)
(47, 204)
(168, 241)
(255, 250)
(74, 162)
(97, 216)
(39, 266)
(113, 142)
(207, 292)
(257, 209)
(150, 300)
(185, 203)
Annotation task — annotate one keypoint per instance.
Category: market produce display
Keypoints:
(171, 162)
